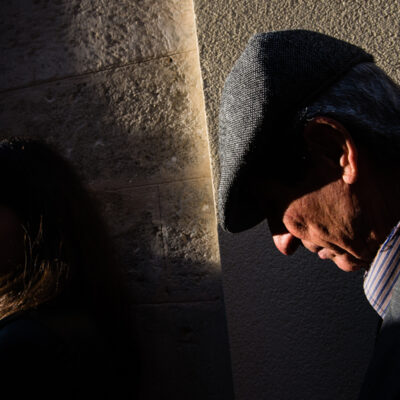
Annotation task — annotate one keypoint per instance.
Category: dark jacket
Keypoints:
(53, 353)
(382, 381)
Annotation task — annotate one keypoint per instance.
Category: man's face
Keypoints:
(331, 209)
(326, 221)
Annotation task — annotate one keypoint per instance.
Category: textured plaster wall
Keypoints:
(299, 328)
(116, 86)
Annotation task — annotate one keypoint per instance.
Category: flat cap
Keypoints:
(277, 75)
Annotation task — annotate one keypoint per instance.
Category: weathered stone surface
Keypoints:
(116, 86)
(139, 124)
(133, 215)
(183, 351)
(190, 235)
(166, 238)
(41, 39)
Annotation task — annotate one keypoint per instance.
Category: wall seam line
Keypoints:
(105, 69)
(93, 186)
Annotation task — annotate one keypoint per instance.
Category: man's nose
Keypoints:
(286, 243)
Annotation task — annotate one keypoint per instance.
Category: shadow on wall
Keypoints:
(129, 136)
(111, 112)
(119, 135)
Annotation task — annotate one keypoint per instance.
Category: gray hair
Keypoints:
(367, 102)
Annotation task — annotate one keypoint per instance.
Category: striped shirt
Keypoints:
(380, 279)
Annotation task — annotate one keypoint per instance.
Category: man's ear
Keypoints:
(327, 138)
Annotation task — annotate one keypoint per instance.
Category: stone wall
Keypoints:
(299, 328)
(116, 87)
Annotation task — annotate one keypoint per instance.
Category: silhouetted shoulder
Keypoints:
(59, 355)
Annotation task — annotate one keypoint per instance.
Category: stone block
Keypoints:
(135, 125)
(190, 235)
(44, 40)
(133, 216)
(166, 239)
(182, 351)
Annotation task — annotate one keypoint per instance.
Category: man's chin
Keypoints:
(349, 268)
(348, 263)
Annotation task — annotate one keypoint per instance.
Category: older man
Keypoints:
(310, 140)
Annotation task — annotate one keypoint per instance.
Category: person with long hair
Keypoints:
(62, 318)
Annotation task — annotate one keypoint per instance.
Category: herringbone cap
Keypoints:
(276, 76)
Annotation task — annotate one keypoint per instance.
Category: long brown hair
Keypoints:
(68, 255)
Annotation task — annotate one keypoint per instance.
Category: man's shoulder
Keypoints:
(381, 380)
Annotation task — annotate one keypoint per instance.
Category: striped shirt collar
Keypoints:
(380, 279)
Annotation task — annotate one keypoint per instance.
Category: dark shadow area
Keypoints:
(381, 379)
(297, 325)
(110, 125)
(63, 308)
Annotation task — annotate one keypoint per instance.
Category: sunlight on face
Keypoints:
(326, 222)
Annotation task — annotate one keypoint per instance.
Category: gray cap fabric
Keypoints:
(277, 75)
